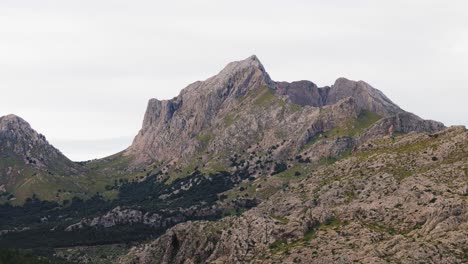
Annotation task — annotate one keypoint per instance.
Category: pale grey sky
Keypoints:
(81, 72)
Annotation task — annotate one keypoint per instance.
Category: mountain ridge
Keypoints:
(240, 108)
(199, 106)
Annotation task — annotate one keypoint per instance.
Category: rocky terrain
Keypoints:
(240, 168)
(394, 199)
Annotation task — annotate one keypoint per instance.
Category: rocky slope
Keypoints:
(26, 158)
(394, 199)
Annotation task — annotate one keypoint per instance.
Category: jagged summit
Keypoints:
(9, 117)
(242, 105)
(233, 79)
(251, 61)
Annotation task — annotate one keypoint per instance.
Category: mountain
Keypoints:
(240, 168)
(241, 106)
(27, 160)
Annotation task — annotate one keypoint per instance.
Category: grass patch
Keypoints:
(100, 254)
(354, 126)
(351, 127)
(295, 107)
(281, 219)
(229, 119)
(302, 168)
(401, 173)
(116, 162)
(413, 147)
(213, 167)
(17, 256)
(234, 212)
(381, 229)
(283, 245)
(364, 120)
(204, 139)
(265, 97)
(278, 245)
(186, 171)
(329, 160)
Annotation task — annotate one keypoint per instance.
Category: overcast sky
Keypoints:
(81, 72)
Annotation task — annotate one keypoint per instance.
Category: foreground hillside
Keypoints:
(397, 199)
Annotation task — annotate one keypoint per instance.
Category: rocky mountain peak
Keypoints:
(205, 114)
(196, 107)
(236, 78)
(251, 61)
(12, 119)
(14, 128)
(20, 142)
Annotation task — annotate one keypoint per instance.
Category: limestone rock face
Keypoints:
(242, 105)
(170, 127)
(366, 96)
(404, 123)
(126, 216)
(303, 93)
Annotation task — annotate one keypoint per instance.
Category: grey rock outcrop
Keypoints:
(405, 123)
(307, 93)
(126, 216)
(365, 95)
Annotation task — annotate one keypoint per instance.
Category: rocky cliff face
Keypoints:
(170, 128)
(241, 106)
(307, 93)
